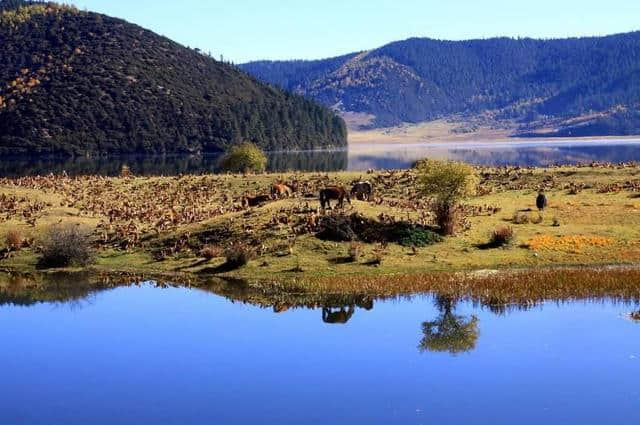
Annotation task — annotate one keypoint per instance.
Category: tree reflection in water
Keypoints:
(449, 332)
(170, 165)
(56, 288)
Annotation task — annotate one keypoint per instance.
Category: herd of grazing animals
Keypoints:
(361, 190)
(129, 210)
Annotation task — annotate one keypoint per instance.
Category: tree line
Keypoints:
(420, 79)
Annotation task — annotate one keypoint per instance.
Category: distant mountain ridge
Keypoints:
(525, 80)
(80, 83)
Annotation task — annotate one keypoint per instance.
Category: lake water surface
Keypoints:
(143, 355)
(356, 158)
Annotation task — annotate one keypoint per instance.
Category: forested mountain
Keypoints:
(422, 79)
(75, 82)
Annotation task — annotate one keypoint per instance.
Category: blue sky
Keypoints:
(244, 30)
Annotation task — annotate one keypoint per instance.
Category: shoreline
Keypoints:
(493, 288)
(363, 146)
(593, 220)
(442, 133)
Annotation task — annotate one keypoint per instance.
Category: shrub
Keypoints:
(64, 245)
(379, 252)
(357, 227)
(537, 219)
(355, 250)
(238, 255)
(14, 240)
(520, 218)
(209, 252)
(244, 158)
(418, 236)
(502, 237)
(574, 189)
(448, 183)
(337, 228)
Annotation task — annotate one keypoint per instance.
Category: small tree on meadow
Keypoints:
(244, 158)
(447, 183)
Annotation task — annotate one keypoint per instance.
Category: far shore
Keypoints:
(440, 134)
(444, 144)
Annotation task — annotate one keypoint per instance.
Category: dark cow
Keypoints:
(254, 201)
(362, 190)
(337, 317)
(366, 303)
(294, 185)
(336, 193)
(541, 201)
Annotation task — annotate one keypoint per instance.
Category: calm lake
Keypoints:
(144, 355)
(356, 158)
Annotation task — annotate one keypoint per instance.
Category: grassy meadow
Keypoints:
(187, 226)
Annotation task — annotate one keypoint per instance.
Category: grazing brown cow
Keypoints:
(362, 190)
(335, 192)
(281, 191)
(254, 201)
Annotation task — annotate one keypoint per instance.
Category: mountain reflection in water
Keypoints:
(357, 158)
(148, 165)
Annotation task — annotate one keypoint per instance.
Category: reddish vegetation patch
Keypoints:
(574, 244)
(498, 287)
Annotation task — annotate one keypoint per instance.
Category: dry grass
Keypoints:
(209, 252)
(14, 240)
(238, 255)
(497, 288)
(501, 237)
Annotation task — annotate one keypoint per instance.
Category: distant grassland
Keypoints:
(459, 130)
(438, 131)
(159, 225)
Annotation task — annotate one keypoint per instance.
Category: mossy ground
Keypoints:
(156, 225)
